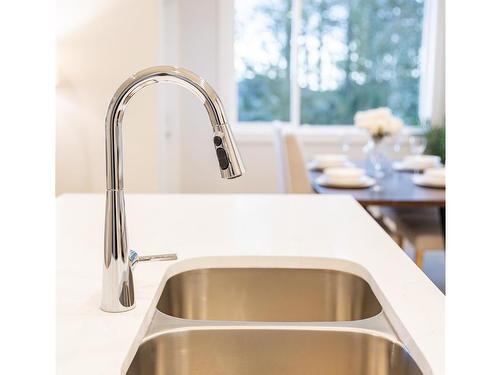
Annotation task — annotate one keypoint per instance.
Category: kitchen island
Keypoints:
(306, 231)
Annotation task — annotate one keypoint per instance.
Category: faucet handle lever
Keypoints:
(134, 258)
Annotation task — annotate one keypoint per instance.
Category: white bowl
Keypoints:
(330, 158)
(421, 161)
(435, 173)
(344, 173)
(434, 176)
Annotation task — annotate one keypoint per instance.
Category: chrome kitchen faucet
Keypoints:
(118, 285)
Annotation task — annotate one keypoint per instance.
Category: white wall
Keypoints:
(99, 44)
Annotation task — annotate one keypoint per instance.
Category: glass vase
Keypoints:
(377, 157)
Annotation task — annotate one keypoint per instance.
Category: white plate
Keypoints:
(363, 182)
(421, 180)
(319, 166)
(400, 166)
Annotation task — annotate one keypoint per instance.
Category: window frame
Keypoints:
(432, 61)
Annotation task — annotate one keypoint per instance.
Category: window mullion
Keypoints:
(296, 22)
(431, 93)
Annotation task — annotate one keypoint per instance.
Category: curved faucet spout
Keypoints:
(228, 155)
(118, 287)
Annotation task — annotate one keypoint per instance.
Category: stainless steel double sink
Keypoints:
(269, 321)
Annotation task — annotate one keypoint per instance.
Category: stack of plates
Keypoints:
(433, 177)
(323, 161)
(417, 163)
(347, 178)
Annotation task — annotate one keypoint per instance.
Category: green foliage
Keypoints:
(436, 140)
(380, 63)
(266, 96)
(264, 99)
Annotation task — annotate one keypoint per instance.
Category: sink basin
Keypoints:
(271, 352)
(268, 294)
(224, 321)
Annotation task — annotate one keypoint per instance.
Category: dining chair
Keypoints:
(419, 226)
(292, 171)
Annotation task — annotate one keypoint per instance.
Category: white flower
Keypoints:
(396, 125)
(378, 121)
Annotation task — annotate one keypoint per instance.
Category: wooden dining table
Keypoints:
(396, 189)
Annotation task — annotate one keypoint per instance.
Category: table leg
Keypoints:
(442, 214)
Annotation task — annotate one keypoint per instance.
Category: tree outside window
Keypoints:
(352, 55)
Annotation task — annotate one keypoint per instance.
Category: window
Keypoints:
(318, 62)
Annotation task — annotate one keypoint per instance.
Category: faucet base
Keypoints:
(124, 309)
(118, 282)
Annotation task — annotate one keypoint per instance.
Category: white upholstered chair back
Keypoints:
(292, 171)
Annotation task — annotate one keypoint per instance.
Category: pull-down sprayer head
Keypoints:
(230, 164)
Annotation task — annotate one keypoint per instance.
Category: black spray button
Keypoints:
(217, 140)
(222, 156)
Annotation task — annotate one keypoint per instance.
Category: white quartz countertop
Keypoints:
(308, 227)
